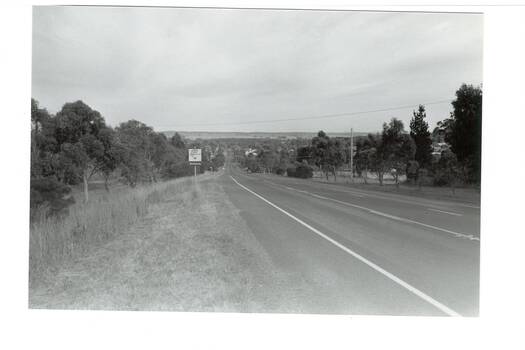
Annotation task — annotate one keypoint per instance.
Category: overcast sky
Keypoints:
(218, 70)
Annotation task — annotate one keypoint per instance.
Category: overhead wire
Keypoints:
(325, 116)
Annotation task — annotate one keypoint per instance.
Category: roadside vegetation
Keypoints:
(188, 250)
(74, 150)
(450, 155)
(76, 146)
(57, 240)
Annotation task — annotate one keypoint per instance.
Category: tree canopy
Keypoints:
(75, 144)
(421, 136)
(463, 129)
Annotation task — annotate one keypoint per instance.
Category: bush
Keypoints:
(51, 194)
(302, 171)
(447, 171)
(280, 171)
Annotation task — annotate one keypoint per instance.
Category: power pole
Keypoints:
(352, 154)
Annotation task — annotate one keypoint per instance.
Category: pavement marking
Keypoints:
(364, 260)
(389, 216)
(445, 212)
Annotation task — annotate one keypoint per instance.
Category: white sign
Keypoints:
(195, 155)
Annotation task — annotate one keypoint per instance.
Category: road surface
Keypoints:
(363, 252)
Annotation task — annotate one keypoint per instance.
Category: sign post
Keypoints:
(195, 158)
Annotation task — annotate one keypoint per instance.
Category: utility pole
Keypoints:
(352, 154)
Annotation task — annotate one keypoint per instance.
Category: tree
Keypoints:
(43, 143)
(447, 170)
(176, 164)
(46, 191)
(412, 170)
(268, 158)
(136, 146)
(395, 150)
(160, 148)
(110, 159)
(369, 157)
(252, 164)
(463, 129)
(304, 153)
(366, 158)
(327, 153)
(421, 136)
(218, 161)
(77, 132)
(177, 142)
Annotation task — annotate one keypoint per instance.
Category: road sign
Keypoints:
(194, 155)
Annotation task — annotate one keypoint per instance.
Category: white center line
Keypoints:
(445, 212)
(389, 216)
(376, 267)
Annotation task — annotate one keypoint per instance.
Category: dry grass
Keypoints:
(191, 252)
(55, 241)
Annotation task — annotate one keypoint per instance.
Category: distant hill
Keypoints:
(193, 135)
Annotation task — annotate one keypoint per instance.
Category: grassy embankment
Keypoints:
(179, 246)
(55, 241)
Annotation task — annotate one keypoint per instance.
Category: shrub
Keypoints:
(280, 171)
(50, 194)
(302, 171)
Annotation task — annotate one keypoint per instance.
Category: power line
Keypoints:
(325, 116)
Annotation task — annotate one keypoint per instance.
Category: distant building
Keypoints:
(438, 148)
(251, 152)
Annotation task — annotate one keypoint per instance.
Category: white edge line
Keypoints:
(445, 212)
(379, 269)
(392, 217)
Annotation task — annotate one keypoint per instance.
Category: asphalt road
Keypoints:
(363, 252)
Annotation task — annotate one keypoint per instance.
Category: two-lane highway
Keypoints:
(359, 252)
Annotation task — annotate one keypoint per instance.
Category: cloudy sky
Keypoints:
(225, 70)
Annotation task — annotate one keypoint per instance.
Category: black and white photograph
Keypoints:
(262, 175)
(266, 161)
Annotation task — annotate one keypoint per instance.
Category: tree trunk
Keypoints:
(106, 184)
(365, 174)
(86, 194)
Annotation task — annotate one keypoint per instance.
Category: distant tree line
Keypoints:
(76, 144)
(393, 151)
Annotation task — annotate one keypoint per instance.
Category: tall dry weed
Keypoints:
(53, 241)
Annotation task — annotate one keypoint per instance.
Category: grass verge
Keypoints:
(55, 241)
(191, 251)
